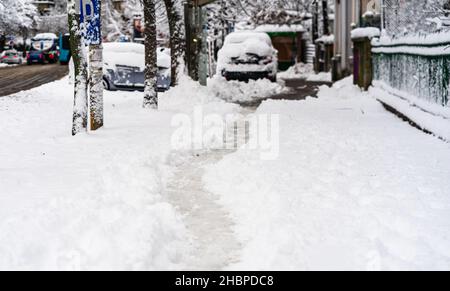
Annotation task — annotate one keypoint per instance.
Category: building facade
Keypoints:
(350, 14)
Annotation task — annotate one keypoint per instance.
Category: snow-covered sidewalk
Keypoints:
(94, 201)
(354, 187)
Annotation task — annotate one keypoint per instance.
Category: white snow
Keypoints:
(280, 28)
(320, 77)
(305, 71)
(430, 44)
(414, 50)
(368, 32)
(232, 91)
(3, 65)
(429, 116)
(326, 39)
(297, 71)
(45, 36)
(438, 38)
(354, 188)
(130, 54)
(94, 201)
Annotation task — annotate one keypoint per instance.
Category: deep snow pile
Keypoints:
(235, 91)
(94, 201)
(305, 71)
(354, 187)
(299, 70)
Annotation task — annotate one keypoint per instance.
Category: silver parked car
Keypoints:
(11, 57)
(124, 67)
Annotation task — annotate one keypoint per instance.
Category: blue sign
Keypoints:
(90, 21)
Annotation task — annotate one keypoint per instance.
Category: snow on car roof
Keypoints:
(243, 36)
(246, 42)
(124, 47)
(131, 54)
(45, 36)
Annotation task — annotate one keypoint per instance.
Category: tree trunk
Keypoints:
(151, 68)
(96, 79)
(96, 86)
(80, 114)
(176, 40)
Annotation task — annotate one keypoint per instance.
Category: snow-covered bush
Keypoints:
(16, 15)
(414, 16)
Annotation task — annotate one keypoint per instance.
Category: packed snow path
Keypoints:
(214, 243)
(215, 246)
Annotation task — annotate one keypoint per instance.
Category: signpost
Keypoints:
(90, 23)
(90, 19)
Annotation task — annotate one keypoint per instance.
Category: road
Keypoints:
(19, 78)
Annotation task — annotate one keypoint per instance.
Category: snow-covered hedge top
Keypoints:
(430, 39)
(434, 44)
(280, 28)
(362, 32)
(327, 39)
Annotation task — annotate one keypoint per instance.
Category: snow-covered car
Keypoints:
(44, 48)
(124, 67)
(11, 57)
(248, 55)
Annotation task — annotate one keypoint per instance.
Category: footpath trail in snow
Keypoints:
(215, 246)
(214, 243)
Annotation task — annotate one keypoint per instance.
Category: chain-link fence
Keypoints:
(414, 16)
